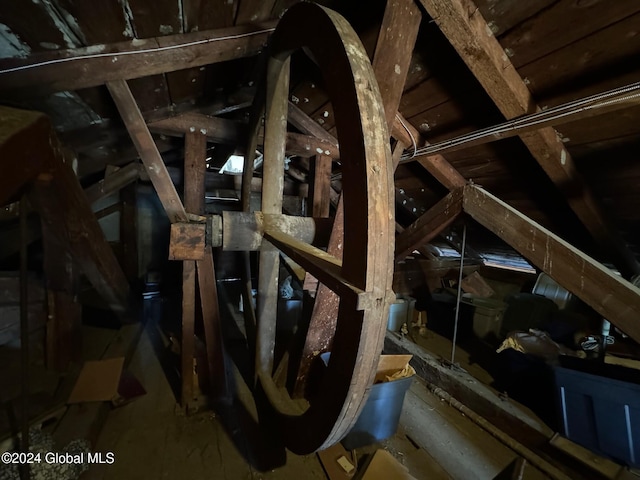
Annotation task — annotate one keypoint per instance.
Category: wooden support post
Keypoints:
(147, 150)
(430, 224)
(320, 187)
(129, 232)
(611, 296)
(64, 321)
(188, 345)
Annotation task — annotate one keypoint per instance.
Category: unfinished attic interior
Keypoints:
(334, 240)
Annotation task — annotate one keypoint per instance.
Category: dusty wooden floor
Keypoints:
(152, 439)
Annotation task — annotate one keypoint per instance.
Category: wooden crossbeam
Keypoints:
(147, 150)
(229, 132)
(611, 296)
(468, 32)
(430, 224)
(84, 67)
(113, 183)
(55, 193)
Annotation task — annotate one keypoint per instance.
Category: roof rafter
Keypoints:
(468, 32)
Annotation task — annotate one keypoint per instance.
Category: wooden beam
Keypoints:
(147, 150)
(320, 186)
(113, 183)
(393, 52)
(27, 140)
(59, 199)
(216, 129)
(84, 67)
(229, 132)
(23, 158)
(187, 350)
(468, 32)
(307, 125)
(611, 296)
(430, 224)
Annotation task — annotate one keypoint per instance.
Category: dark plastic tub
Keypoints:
(601, 413)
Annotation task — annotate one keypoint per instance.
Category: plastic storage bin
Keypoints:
(599, 412)
(487, 315)
(381, 413)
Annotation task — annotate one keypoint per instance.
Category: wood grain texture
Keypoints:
(470, 35)
(608, 294)
(429, 224)
(147, 150)
(81, 68)
(187, 241)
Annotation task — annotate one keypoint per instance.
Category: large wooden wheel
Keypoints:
(363, 279)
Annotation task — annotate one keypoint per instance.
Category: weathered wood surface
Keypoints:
(368, 262)
(320, 186)
(83, 67)
(466, 29)
(430, 224)
(608, 294)
(187, 241)
(113, 182)
(393, 51)
(147, 150)
(56, 194)
(23, 158)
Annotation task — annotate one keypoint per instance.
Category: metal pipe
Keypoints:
(455, 325)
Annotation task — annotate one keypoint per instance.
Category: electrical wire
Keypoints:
(611, 97)
(413, 140)
(134, 52)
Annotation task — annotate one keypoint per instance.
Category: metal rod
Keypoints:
(24, 338)
(589, 106)
(455, 325)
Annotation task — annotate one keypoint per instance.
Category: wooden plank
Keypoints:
(254, 11)
(147, 150)
(608, 294)
(113, 183)
(188, 344)
(485, 57)
(547, 31)
(306, 124)
(23, 157)
(81, 68)
(195, 169)
(212, 328)
(320, 187)
(392, 55)
(430, 224)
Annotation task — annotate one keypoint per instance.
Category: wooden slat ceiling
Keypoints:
(563, 50)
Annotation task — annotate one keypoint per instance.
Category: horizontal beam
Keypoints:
(229, 132)
(611, 296)
(430, 224)
(95, 65)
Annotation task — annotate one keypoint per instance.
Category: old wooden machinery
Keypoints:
(361, 279)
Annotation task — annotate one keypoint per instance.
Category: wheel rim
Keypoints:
(364, 284)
